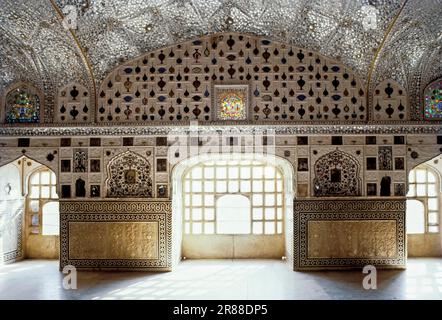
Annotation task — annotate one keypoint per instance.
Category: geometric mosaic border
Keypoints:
(341, 210)
(289, 128)
(126, 206)
(106, 211)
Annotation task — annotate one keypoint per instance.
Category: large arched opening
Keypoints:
(29, 211)
(424, 205)
(232, 206)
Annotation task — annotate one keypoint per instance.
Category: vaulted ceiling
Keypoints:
(404, 42)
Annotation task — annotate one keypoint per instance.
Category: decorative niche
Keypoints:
(129, 176)
(337, 174)
(73, 104)
(23, 104)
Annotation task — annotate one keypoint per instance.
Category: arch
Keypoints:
(433, 101)
(33, 160)
(183, 167)
(20, 208)
(424, 187)
(129, 176)
(337, 174)
(22, 103)
(41, 190)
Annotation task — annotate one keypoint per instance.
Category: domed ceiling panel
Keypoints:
(117, 30)
(399, 39)
(36, 47)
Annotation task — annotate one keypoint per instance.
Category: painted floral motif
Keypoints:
(232, 106)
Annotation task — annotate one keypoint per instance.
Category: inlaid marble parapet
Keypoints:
(339, 233)
(116, 234)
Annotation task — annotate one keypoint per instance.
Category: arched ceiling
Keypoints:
(35, 47)
(404, 44)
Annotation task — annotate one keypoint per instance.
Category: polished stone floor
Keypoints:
(221, 279)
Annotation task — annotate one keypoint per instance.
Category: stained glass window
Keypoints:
(22, 106)
(433, 101)
(231, 102)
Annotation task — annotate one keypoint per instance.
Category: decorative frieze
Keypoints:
(286, 128)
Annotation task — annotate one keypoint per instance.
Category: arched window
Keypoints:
(423, 202)
(233, 197)
(22, 106)
(43, 203)
(433, 101)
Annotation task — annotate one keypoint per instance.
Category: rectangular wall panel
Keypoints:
(336, 233)
(352, 239)
(124, 240)
(116, 234)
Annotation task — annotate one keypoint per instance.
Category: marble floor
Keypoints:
(221, 279)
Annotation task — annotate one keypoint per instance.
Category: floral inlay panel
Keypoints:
(337, 174)
(129, 175)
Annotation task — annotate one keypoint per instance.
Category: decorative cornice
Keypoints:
(233, 129)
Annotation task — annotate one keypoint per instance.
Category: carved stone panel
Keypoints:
(352, 239)
(116, 234)
(80, 160)
(385, 158)
(73, 104)
(177, 84)
(332, 233)
(389, 101)
(124, 240)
